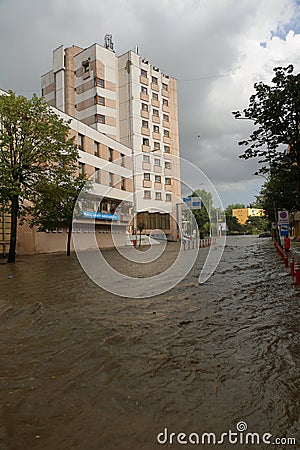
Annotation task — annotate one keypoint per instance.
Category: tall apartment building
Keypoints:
(133, 102)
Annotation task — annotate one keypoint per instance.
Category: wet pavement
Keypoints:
(84, 369)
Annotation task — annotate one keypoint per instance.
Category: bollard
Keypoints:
(292, 272)
(189, 243)
(297, 270)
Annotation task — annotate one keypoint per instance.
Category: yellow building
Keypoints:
(243, 214)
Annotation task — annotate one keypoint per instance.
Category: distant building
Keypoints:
(243, 214)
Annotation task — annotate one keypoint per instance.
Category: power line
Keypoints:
(206, 77)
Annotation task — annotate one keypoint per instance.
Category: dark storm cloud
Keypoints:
(212, 47)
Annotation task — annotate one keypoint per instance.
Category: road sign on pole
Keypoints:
(192, 202)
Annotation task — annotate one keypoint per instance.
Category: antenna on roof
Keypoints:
(108, 42)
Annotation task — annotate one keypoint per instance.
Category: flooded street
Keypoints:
(84, 369)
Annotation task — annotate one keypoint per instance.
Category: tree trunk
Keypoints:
(13, 231)
(69, 239)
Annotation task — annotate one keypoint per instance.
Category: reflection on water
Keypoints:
(84, 369)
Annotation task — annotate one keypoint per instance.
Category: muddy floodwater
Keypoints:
(84, 369)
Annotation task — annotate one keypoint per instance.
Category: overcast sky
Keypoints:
(216, 49)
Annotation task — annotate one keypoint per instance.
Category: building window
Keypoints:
(146, 158)
(100, 118)
(123, 184)
(144, 107)
(99, 82)
(156, 146)
(81, 169)
(147, 194)
(167, 165)
(166, 133)
(156, 128)
(166, 149)
(100, 100)
(154, 80)
(144, 73)
(168, 197)
(154, 96)
(157, 195)
(145, 124)
(147, 177)
(165, 86)
(86, 65)
(157, 162)
(111, 179)
(166, 117)
(165, 102)
(96, 148)
(122, 159)
(110, 154)
(144, 90)
(156, 112)
(146, 141)
(157, 179)
(80, 142)
(168, 181)
(97, 176)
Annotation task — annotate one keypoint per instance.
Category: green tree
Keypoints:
(256, 225)
(54, 204)
(202, 215)
(233, 225)
(35, 151)
(140, 227)
(275, 111)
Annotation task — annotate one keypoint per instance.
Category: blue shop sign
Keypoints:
(284, 230)
(99, 215)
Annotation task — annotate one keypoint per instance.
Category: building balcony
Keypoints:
(155, 119)
(167, 140)
(165, 93)
(155, 103)
(166, 124)
(168, 187)
(165, 108)
(167, 155)
(147, 184)
(144, 97)
(145, 148)
(156, 136)
(145, 114)
(158, 186)
(145, 131)
(154, 87)
(144, 80)
(146, 166)
(157, 169)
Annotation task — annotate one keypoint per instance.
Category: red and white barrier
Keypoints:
(297, 271)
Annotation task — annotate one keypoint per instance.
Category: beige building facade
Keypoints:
(129, 100)
(108, 165)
